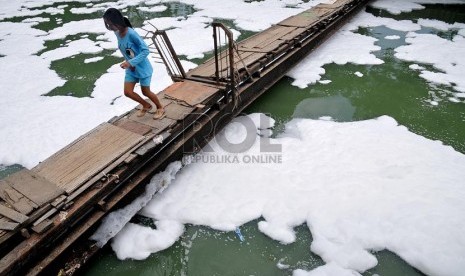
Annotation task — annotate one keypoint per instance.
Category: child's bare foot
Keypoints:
(159, 114)
(143, 110)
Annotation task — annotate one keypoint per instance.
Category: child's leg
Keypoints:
(152, 96)
(129, 92)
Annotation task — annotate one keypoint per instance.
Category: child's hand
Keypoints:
(125, 65)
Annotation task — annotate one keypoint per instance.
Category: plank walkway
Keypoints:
(28, 198)
(89, 158)
(257, 47)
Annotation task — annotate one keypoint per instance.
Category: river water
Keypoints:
(432, 110)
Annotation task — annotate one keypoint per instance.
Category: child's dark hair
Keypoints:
(116, 17)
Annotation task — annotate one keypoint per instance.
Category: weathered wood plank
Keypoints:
(191, 93)
(43, 226)
(304, 19)
(334, 4)
(15, 199)
(164, 102)
(34, 186)
(8, 225)
(250, 50)
(264, 38)
(130, 158)
(178, 112)
(293, 34)
(133, 126)
(156, 125)
(208, 68)
(80, 161)
(12, 214)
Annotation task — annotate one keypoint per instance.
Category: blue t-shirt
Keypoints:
(135, 51)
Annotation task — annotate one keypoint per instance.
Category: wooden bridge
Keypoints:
(45, 211)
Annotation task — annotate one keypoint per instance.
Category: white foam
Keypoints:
(443, 54)
(366, 186)
(94, 59)
(416, 67)
(146, 239)
(76, 27)
(194, 29)
(346, 47)
(434, 103)
(400, 6)
(36, 20)
(342, 48)
(253, 16)
(454, 100)
(159, 8)
(280, 265)
(396, 6)
(392, 37)
(367, 20)
(359, 186)
(115, 221)
(331, 269)
(86, 10)
(437, 24)
(462, 32)
(23, 7)
(85, 46)
(55, 121)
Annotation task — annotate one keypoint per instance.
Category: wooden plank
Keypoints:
(78, 162)
(322, 11)
(178, 112)
(190, 92)
(133, 126)
(334, 5)
(8, 225)
(293, 34)
(250, 50)
(43, 226)
(108, 169)
(34, 187)
(206, 69)
(130, 158)
(156, 125)
(264, 38)
(164, 102)
(303, 19)
(12, 214)
(15, 199)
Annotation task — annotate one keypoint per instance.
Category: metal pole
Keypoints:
(217, 76)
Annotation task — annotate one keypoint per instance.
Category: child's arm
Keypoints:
(144, 49)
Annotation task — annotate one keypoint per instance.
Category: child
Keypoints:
(137, 65)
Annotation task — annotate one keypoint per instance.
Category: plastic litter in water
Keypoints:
(239, 234)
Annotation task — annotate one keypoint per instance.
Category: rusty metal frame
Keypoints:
(218, 29)
(168, 55)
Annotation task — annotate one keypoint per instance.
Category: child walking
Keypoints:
(136, 64)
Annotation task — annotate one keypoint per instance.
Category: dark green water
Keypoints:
(389, 89)
(202, 251)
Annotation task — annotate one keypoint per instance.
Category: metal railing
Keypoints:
(224, 59)
(167, 55)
